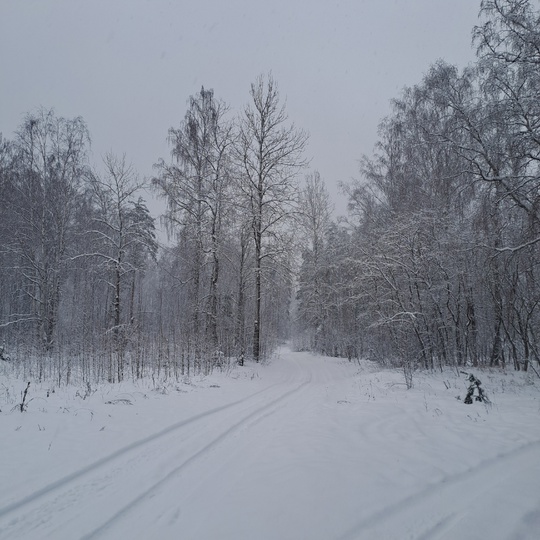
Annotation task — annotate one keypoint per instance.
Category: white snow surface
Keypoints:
(306, 447)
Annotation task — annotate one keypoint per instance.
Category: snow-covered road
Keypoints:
(310, 448)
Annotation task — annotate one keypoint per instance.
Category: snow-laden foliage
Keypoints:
(439, 261)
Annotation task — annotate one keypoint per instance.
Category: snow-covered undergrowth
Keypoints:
(306, 447)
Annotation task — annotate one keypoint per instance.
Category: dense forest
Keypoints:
(436, 264)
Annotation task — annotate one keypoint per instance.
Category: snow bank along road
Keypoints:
(313, 448)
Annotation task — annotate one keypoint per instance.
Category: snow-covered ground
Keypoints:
(304, 448)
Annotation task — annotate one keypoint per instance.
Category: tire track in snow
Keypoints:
(437, 523)
(66, 480)
(46, 514)
(265, 410)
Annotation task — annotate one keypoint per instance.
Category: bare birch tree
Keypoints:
(197, 188)
(270, 153)
(123, 238)
(315, 214)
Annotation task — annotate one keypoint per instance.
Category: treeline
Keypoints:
(86, 293)
(438, 263)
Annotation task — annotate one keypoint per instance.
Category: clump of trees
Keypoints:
(74, 245)
(85, 291)
(439, 262)
(436, 265)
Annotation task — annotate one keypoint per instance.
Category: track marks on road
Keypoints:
(99, 477)
(424, 515)
(264, 410)
(120, 453)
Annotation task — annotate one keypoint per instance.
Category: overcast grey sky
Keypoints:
(128, 67)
